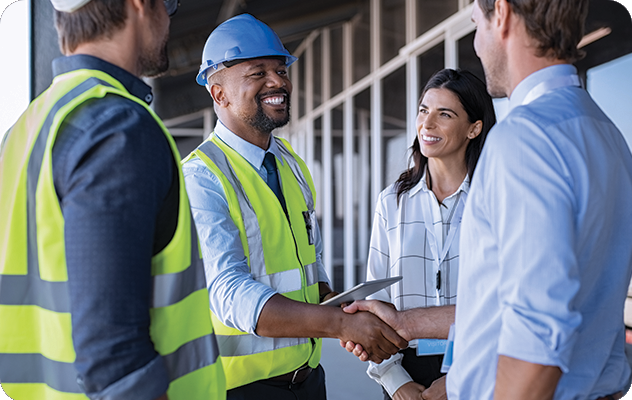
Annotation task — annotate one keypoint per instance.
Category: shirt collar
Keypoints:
(133, 84)
(252, 153)
(524, 87)
(423, 186)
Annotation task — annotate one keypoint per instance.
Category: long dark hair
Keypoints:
(478, 105)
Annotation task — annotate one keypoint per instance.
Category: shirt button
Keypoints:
(149, 98)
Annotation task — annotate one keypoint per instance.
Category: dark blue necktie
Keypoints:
(273, 178)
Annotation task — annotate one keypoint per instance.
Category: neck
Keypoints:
(522, 61)
(245, 131)
(112, 51)
(446, 175)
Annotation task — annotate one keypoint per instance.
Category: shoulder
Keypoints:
(116, 133)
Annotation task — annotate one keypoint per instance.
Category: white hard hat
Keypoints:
(68, 5)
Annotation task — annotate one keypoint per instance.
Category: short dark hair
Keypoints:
(478, 105)
(96, 20)
(557, 25)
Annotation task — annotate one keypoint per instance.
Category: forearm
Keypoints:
(427, 323)
(521, 380)
(282, 317)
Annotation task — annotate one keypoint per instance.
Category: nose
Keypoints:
(425, 121)
(275, 80)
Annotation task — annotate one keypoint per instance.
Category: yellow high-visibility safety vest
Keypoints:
(280, 254)
(36, 347)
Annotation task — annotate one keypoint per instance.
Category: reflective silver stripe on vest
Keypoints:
(251, 223)
(191, 356)
(298, 174)
(311, 274)
(35, 368)
(290, 281)
(244, 345)
(171, 288)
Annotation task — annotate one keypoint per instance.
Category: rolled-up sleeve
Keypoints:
(235, 297)
(535, 229)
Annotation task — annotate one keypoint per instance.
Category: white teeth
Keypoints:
(274, 100)
(430, 138)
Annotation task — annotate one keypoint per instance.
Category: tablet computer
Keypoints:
(360, 291)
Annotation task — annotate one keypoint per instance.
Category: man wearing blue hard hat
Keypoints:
(253, 204)
(99, 264)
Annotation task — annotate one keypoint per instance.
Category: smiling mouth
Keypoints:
(274, 100)
(430, 138)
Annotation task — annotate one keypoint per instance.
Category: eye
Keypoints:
(423, 111)
(445, 114)
(282, 72)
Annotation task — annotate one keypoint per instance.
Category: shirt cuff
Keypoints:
(146, 383)
(322, 275)
(391, 377)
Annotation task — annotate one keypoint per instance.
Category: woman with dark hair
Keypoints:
(416, 224)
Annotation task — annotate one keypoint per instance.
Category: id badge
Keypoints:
(431, 347)
(310, 225)
(447, 359)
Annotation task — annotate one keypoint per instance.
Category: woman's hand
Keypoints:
(409, 391)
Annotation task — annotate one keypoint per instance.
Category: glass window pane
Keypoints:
(338, 205)
(394, 145)
(336, 60)
(299, 67)
(467, 57)
(393, 36)
(430, 62)
(610, 85)
(362, 179)
(430, 13)
(362, 43)
(317, 70)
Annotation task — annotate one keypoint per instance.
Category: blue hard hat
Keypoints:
(240, 38)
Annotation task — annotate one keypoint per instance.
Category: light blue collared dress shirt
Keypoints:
(235, 297)
(546, 245)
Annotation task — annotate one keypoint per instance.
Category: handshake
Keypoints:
(382, 331)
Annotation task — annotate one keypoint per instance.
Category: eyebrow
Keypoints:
(440, 109)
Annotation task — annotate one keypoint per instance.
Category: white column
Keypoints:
(309, 105)
(364, 197)
(327, 174)
(376, 106)
(347, 144)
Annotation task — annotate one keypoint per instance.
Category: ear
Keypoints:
(502, 17)
(475, 129)
(138, 5)
(218, 94)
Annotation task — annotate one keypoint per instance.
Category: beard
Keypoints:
(265, 123)
(157, 62)
(496, 75)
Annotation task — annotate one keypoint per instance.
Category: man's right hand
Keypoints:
(409, 391)
(378, 340)
(385, 312)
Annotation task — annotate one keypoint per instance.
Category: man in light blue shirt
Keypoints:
(546, 232)
(546, 256)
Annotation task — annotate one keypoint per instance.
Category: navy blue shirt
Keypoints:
(116, 180)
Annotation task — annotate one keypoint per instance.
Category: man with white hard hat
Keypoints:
(253, 204)
(100, 271)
